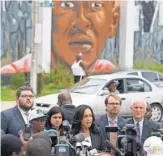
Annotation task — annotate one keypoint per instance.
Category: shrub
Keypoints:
(60, 77)
(17, 80)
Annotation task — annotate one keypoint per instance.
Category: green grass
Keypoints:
(9, 94)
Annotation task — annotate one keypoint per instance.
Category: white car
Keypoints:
(152, 76)
(93, 91)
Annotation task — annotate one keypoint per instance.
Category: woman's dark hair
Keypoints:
(78, 116)
(52, 111)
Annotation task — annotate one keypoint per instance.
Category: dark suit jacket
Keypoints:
(98, 141)
(148, 128)
(12, 121)
(103, 121)
(68, 112)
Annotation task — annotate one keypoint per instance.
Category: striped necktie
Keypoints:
(138, 132)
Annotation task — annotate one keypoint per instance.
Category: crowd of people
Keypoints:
(15, 142)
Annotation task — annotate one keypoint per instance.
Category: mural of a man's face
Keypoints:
(80, 26)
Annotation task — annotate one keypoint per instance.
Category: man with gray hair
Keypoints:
(65, 102)
(143, 126)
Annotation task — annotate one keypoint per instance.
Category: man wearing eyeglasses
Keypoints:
(14, 119)
(111, 118)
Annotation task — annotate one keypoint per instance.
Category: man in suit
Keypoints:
(111, 118)
(65, 102)
(14, 119)
(143, 126)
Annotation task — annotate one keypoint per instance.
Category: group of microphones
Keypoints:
(84, 148)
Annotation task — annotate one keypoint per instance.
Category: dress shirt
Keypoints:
(115, 120)
(23, 113)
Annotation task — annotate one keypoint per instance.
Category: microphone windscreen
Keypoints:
(80, 137)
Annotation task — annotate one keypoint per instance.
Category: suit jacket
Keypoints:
(103, 121)
(98, 141)
(12, 121)
(68, 112)
(148, 127)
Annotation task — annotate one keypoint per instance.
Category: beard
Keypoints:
(25, 106)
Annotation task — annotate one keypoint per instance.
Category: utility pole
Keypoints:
(33, 77)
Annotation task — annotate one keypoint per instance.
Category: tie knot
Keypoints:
(27, 113)
(112, 122)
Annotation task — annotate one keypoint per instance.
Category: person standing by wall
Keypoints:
(78, 68)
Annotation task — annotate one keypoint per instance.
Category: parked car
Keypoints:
(152, 76)
(93, 91)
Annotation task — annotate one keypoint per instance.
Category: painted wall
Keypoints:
(83, 26)
(16, 30)
(93, 29)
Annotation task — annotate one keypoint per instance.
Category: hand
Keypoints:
(106, 154)
(14, 21)
(24, 142)
(20, 14)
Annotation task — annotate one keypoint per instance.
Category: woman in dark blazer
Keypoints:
(84, 122)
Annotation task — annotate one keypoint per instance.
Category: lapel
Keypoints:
(145, 130)
(120, 123)
(18, 116)
(106, 120)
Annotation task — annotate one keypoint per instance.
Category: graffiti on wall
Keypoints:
(16, 29)
(148, 37)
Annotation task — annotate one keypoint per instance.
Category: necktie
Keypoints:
(27, 115)
(113, 135)
(138, 132)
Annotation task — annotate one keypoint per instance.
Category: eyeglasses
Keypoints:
(114, 104)
(27, 96)
(59, 117)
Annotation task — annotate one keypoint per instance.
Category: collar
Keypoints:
(140, 122)
(109, 119)
(22, 111)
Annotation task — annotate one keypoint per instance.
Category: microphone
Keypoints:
(78, 138)
(115, 149)
(93, 152)
(78, 148)
(86, 144)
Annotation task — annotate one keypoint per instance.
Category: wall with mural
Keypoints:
(93, 29)
(83, 26)
(89, 27)
(16, 30)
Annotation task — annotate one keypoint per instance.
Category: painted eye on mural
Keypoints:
(96, 5)
(67, 4)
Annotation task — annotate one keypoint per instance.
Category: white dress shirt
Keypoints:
(23, 113)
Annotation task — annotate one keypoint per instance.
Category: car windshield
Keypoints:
(88, 86)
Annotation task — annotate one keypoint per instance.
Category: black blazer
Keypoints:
(12, 121)
(97, 140)
(103, 121)
(148, 127)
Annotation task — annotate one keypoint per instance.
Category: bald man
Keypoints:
(65, 102)
(143, 126)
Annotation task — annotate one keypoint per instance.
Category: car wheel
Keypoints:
(157, 112)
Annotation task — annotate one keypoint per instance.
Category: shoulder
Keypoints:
(121, 119)
(129, 121)
(154, 124)
(103, 117)
(8, 111)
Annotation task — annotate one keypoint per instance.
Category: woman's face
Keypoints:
(87, 119)
(56, 120)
